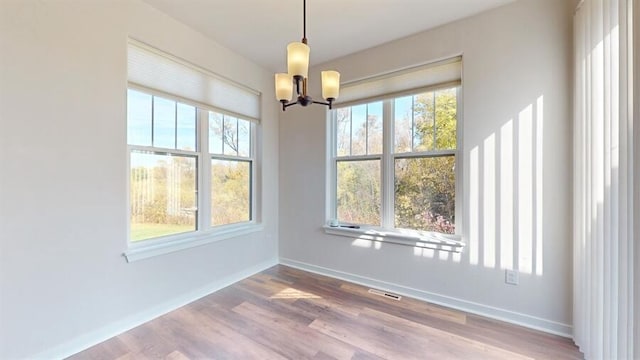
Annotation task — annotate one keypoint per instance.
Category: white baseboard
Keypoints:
(512, 317)
(95, 337)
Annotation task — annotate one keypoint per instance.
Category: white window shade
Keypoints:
(160, 71)
(447, 73)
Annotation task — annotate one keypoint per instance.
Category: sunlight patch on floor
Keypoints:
(291, 293)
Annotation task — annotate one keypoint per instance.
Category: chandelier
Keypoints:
(297, 72)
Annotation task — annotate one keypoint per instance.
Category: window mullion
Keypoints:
(153, 113)
(175, 124)
(237, 137)
(387, 165)
(204, 173)
(366, 130)
(350, 132)
(413, 123)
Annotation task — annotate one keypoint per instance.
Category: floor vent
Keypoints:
(388, 295)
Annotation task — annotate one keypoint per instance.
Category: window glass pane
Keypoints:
(374, 128)
(446, 119)
(164, 123)
(230, 136)
(244, 138)
(138, 118)
(186, 132)
(230, 191)
(358, 192)
(162, 195)
(402, 123)
(215, 133)
(425, 194)
(343, 131)
(359, 130)
(423, 122)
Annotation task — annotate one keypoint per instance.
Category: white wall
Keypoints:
(64, 283)
(517, 72)
(636, 175)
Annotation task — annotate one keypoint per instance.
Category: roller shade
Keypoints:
(154, 69)
(447, 73)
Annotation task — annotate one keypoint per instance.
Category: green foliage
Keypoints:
(359, 192)
(425, 194)
(163, 194)
(142, 231)
(230, 191)
(425, 186)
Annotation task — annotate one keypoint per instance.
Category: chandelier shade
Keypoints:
(330, 84)
(298, 72)
(298, 59)
(284, 87)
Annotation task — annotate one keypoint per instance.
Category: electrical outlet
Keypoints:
(511, 277)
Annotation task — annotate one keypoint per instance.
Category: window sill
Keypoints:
(150, 248)
(428, 240)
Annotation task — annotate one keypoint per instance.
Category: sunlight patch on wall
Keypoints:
(366, 243)
(423, 251)
(525, 190)
(506, 195)
(539, 182)
(474, 178)
(489, 202)
(444, 252)
(362, 243)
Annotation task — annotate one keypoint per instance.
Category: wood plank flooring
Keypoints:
(285, 313)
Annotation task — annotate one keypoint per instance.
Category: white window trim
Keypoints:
(168, 244)
(387, 232)
(207, 233)
(425, 239)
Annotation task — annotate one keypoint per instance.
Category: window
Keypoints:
(358, 163)
(231, 168)
(190, 170)
(394, 162)
(163, 166)
(191, 138)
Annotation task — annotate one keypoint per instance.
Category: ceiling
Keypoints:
(261, 29)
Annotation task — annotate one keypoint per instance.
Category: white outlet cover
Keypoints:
(511, 277)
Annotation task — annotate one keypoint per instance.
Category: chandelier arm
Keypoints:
(329, 103)
(286, 104)
(304, 101)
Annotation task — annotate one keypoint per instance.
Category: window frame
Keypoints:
(387, 230)
(204, 233)
(251, 159)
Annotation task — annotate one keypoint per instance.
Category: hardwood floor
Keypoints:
(284, 313)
